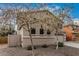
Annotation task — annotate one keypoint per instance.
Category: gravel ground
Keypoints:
(50, 51)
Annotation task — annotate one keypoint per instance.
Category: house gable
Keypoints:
(37, 15)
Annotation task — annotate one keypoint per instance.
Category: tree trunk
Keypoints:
(57, 42)
(32, 46)
(31, 43)
(57, 39)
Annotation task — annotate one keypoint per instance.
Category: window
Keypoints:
(48, 31)
(33, 31)
(41, 30)
(60, 25)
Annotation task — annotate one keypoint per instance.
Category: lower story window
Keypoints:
(48, 32)
(33, 31)
(41, 31)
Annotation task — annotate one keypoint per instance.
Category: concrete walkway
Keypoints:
(14, 51)
(72, 44)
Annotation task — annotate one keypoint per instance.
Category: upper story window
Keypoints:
(60, 25)
(33, 31)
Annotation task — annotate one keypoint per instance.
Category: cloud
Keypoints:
(75, 19)
(54, 8)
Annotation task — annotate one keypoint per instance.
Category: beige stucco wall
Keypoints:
(37, 28)
(41, 40)
(17, 40)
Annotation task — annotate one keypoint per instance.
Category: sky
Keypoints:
(74, 13)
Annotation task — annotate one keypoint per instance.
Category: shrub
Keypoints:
(3, 39)
(60, 44)
(30, 47)
(44, 46)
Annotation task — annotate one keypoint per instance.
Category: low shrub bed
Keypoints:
(44, 46)
(60, 44)
(30, 47)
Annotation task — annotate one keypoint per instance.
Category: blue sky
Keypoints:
(75, 8)
(74, 13)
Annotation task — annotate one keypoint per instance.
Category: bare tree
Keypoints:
(64, 14)
(25, 20)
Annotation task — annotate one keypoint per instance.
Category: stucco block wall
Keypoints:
(41, 40)
(14, 40)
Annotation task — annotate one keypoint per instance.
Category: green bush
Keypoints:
(30, 47)
(3, 33)
(60, 44)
